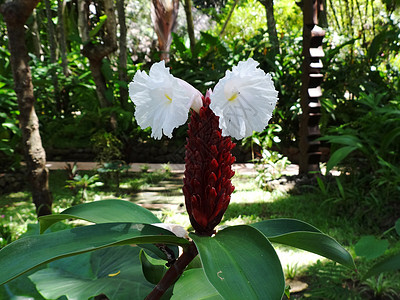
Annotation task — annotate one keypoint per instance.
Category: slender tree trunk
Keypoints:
(36, 36)
(83, 26)
(15, 15)
(271, 25)
(62, 40)
(228, 18)
(53, 56)
(95, 52)
(122, 74)
(190, 26)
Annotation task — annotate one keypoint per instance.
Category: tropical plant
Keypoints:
(373, 137)
(370, 248)
(83, 183)
(241, 255)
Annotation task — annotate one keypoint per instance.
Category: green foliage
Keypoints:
(99, 212)
(113, 170)
(153, 269)
(225, 258)
(106, 146)
(370, 142)
(5, 233)
(83, 183)
(271, 164)
(234, 257)
(111, 271)
(370, 247)
(10, 134)
(193, 284)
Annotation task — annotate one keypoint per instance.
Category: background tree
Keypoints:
(271, 25)
(96, 51)
(164, 15)
(122, 55)
(15, 14)
(62, 40)
(51, 35)
(190, 26)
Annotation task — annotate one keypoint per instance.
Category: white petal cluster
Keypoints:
(162, 101)
(244, 100)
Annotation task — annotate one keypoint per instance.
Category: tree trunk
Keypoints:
(36, 36)
(228, 18)
(53, 57)
(62, 40)
(122, 73)
(15, 15)
(164, 14)
(83, 26)
(271, 25)
(95, 52)
(190, 26)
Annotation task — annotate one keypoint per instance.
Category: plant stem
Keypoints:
(174, 272)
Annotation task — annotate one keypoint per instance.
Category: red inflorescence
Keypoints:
(207, 185)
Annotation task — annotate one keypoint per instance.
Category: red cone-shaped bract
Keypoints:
(207, 185)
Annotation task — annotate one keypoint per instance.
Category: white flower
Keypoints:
(162, 101)
(244, 100)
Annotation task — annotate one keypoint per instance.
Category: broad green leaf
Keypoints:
(153, 269)
(21, 288)
(391, 263)
(194, 285)
(338, 156)
(301, 235)
(343, 139)
(32, 251)
(370, 247)
(104, 211)
(241, 264)
(115, 272)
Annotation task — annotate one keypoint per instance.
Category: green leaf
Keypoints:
(344, 139)
(153, 269)
(370, 247)
(115, 272)
(391, 263)
(32, 251)
(241, 264)
(338, 156)
(397, 226)
(304, 236)
(21, 288)
(194, 285)
(105, 211)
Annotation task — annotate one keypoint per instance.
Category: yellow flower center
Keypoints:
(168, 97)
(234, 96)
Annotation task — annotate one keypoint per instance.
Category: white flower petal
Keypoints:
(196, 100)
(162, 101)
(244, 100)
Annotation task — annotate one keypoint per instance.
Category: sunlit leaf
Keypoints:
(304, 236)
(194, 285)
(241, 264)
(104, 211)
